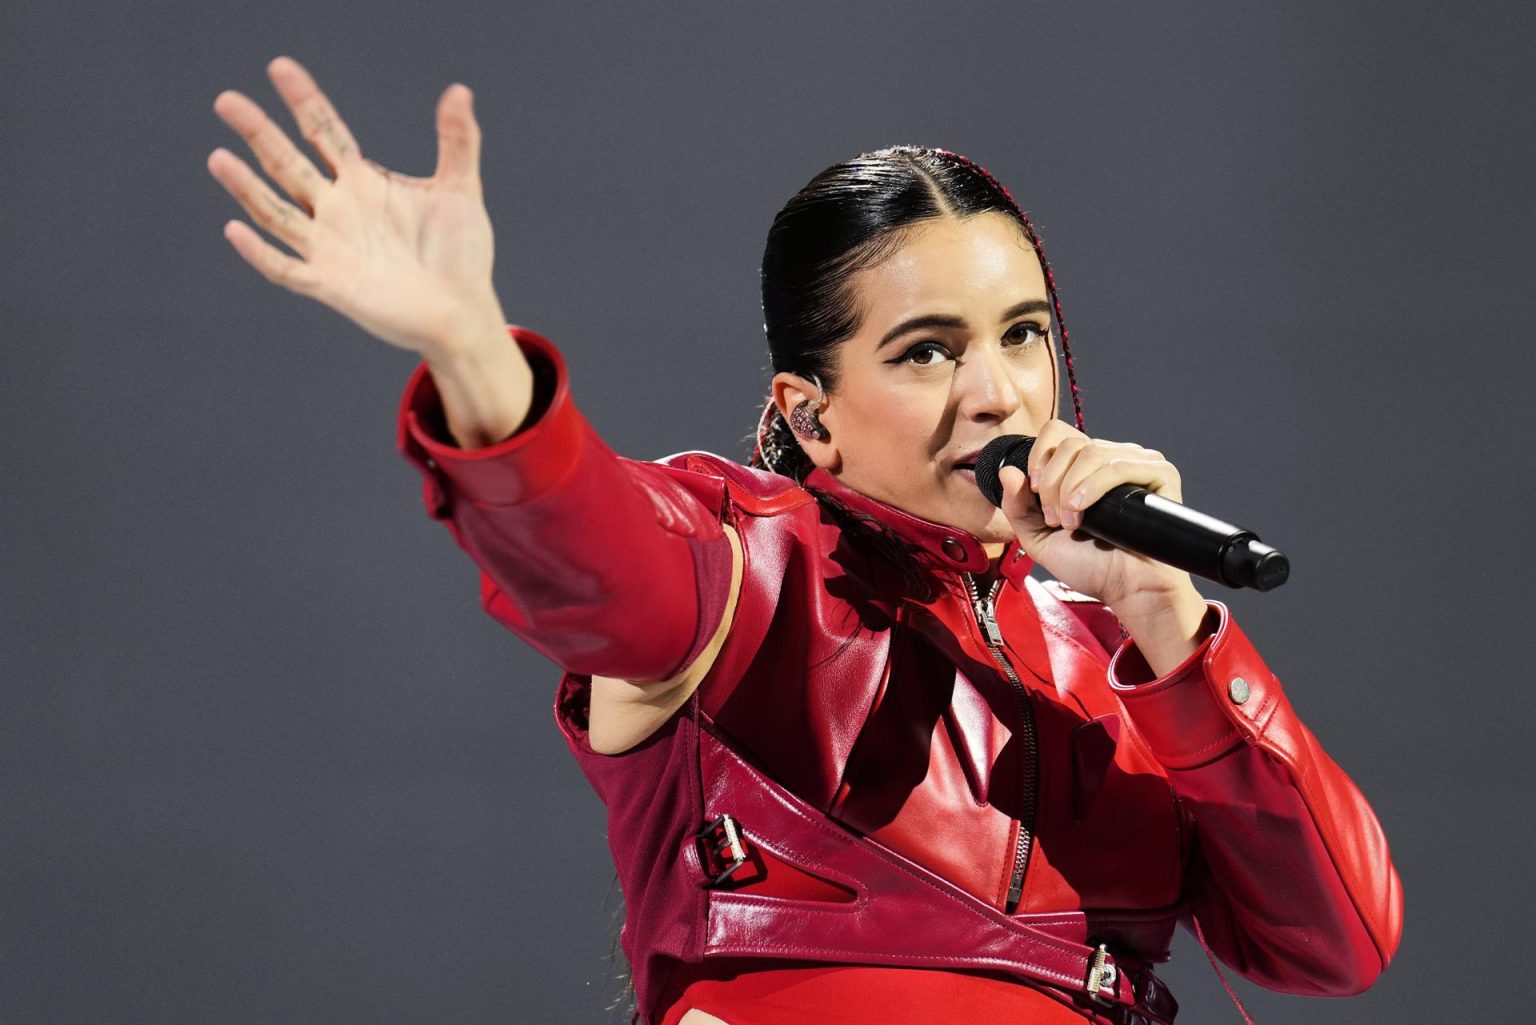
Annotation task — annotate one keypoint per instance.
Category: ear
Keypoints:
(789, 391)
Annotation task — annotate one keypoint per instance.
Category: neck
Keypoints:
(994, 568)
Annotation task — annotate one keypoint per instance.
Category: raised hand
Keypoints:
(1069, 471)
(406, 258)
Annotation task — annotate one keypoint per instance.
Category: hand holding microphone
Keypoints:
(1135, 519)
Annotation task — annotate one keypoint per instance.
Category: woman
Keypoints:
(858, 765)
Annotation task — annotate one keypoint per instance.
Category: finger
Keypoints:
(1097, 453)
(1023, 511)
(1051, 434)
(1018, 500)
(1157, 475)
(279, 157)
(1047, 482)
(317, 120)
(458, 138)
(283, 220)
(278, 268)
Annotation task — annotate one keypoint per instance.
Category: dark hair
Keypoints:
(847, 218)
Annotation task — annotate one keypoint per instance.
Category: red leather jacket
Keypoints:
(897, 746)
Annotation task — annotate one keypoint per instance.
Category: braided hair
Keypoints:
(847, 218)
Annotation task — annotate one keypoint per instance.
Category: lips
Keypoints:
(967, 461)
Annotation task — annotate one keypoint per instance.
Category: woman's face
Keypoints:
(953, 350)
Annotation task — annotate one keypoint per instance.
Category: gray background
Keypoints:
(265, 759)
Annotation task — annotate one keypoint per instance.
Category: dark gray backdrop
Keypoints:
(264, 758)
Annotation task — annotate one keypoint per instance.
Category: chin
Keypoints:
(997, 529)
(971, 512)
(962, 507)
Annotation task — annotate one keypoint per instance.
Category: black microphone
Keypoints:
(1134, 519)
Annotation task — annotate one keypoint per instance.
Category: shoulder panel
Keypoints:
(756, 492)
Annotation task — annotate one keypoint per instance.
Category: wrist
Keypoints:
(467, 332)
(469, 350)
(485, 384)
(1154, 603)
(1165, 625)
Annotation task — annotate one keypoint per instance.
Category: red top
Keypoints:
(949, 759)
(739, 993)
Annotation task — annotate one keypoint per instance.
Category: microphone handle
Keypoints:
(1134, 519)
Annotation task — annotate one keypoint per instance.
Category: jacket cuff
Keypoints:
(536, 458)
(1220, 697)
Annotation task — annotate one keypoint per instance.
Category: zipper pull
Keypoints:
(1015, 894)
(987, 617)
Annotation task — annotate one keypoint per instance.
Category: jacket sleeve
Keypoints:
(603, 564)
(1293, 885)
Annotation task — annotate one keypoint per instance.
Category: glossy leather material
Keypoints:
(895, 912)
(1045, 774)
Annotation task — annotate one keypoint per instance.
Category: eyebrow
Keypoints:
(932, 320)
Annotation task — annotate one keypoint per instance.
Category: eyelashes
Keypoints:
(922, 349)
(1025, 335)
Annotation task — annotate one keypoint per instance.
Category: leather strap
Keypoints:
(890, 894)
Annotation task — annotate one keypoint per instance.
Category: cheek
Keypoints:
(901, 431)
(887, 448)
(874, 410)
(888, 437)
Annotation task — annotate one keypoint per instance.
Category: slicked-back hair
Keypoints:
(850, 217)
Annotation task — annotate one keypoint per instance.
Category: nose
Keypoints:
(988, 389)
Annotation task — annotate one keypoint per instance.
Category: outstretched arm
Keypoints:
(606, 565)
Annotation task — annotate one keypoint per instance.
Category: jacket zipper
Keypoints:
(986, 616)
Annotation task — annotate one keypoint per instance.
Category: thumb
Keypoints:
(1022, 508)
(458, 137)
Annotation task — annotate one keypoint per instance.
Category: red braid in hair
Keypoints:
(1050, 279)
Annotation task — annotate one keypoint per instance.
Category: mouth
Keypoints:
(965, 465)
(966, 461)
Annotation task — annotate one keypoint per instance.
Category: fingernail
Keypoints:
(1050, 515)
(1076, 501)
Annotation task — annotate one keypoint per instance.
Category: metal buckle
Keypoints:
(1102, 976)
(720, 844)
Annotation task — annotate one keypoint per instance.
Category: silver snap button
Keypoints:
(1238, 690)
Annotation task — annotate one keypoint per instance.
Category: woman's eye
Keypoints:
(923, 354)
(1027, 332)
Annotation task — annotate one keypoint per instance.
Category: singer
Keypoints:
(859, 765)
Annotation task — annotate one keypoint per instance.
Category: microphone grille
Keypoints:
(1008, 450)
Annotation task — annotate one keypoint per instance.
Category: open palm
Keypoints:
(406, 258)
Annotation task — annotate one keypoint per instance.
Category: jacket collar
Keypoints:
(938, 546)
